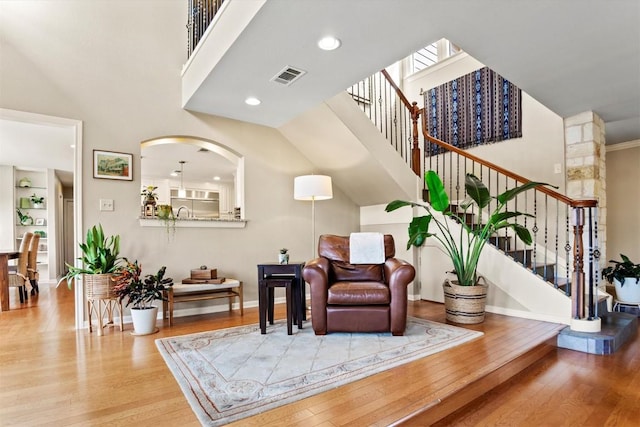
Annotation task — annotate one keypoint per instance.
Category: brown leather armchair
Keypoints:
(357, 297)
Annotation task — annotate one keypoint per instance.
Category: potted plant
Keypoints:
(100, 259)
(625, 275)
(24, 219)
(464, 249)
(141, 292)
(150, 196)
(37, 201)
(167, 218)
(283, 256)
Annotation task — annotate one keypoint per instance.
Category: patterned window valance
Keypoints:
(474, 109)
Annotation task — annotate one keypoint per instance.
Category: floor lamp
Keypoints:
(312, 187)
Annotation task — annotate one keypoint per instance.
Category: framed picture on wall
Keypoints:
(111, 165)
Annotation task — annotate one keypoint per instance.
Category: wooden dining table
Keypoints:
(5, 256)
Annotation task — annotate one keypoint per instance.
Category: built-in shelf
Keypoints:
(39, 212)
(194, 223)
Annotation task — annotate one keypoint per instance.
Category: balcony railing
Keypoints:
(201, 13)
(390, 111)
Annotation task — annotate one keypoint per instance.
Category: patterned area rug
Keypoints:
(234, 373)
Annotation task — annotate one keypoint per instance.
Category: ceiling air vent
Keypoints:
(288, 75)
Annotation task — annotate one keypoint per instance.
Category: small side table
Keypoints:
(288, 276)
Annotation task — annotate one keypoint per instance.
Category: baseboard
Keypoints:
(526, 315)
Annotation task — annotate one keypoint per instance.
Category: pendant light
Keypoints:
(181, 191)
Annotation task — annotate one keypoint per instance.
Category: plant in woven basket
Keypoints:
(100, 255)
(140, 292)
(464, 249)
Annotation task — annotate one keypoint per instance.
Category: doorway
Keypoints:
(36, 130)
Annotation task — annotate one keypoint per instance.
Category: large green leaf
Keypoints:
(477, 190)
(502, 216)
(437, 194)
(419, 230)
(396, 204)
(510, 194)
(523, 233)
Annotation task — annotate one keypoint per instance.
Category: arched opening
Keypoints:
(211, 175)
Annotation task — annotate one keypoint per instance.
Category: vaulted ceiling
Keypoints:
(571, 55)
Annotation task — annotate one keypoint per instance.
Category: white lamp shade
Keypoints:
(312, 187)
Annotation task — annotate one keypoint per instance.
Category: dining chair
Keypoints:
(20, 277)
(32, 264)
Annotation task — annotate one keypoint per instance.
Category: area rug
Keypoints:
(234, 373)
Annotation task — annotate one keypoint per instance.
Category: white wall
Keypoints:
(623, 200)
(116, 66)
(7, 212)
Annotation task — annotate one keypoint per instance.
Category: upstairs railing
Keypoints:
(201, 13)
(565, 231)
(390, 111)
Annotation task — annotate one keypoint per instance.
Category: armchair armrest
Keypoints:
(398, 273)
(316, 273)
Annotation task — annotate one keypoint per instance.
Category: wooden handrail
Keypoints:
(414, 111)
(403, 98)
(587, 203)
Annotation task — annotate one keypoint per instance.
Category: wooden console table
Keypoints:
(179, 292)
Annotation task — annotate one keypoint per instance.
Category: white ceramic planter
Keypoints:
(144, 320)
(629, 291)
(283, 258)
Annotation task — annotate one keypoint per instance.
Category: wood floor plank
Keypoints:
(118, 379)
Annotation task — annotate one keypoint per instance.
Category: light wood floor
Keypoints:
(52, 375)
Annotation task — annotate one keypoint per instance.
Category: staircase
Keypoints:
(562, 230)
(561, 264)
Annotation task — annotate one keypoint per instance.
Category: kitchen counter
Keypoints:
(195, 222)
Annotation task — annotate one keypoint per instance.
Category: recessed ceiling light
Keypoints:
(329, 43)
(174, 173)
(252, 101)
(216, 178)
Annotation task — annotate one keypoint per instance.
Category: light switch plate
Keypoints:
(106, 204)
(557, 168)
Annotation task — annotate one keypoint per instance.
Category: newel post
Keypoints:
(577, 284)
(415, 149)
(578, 320)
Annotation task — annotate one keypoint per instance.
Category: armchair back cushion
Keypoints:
(336, 250)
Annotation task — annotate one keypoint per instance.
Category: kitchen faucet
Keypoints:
(179, 209)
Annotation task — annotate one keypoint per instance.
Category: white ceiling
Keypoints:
(571, 55)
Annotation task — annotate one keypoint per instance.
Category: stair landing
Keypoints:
(616, 329)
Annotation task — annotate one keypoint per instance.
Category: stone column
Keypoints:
(584, 137)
